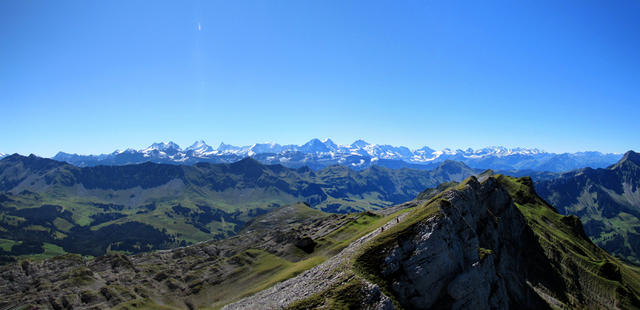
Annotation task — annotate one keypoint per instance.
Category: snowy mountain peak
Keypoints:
(314, 141)
(197, 145)
(360, 144)
(162, 149)
(360, 154)
(199, 148)
(425, 150)
(314, 146)
(226, 147)
(267, 147)
(129, 151)
(330, 144)
(164, 146)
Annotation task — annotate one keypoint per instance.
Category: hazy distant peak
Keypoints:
(164, 146)
(196, 145)
(360, 143)
(199, 148)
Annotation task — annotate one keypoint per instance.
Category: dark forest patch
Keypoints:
(106, 217)
(131, 236)
(107, 206)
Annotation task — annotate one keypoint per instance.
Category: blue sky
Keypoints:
(94, 76)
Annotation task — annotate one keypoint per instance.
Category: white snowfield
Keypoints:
(329, 148)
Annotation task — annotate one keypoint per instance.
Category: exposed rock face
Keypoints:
(470, 256)
(495, 244)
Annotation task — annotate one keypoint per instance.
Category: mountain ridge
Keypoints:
(360, 154)
(607, 200)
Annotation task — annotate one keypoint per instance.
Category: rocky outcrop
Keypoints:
(495, 244)
(472, 254)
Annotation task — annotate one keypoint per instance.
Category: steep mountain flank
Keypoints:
(478, 245)
(607, 201)
(479, 252)
(49, 207)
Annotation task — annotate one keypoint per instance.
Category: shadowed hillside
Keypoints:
(607, 201)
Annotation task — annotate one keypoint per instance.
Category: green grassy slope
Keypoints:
(579, 262)
(607, 201)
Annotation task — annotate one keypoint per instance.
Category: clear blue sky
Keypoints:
(93, 76)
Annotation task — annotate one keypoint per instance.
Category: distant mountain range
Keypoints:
(318, 154)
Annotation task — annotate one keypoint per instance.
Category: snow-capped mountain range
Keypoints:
(358, 155)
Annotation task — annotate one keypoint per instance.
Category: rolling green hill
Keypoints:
(48, 207)
(607, 201)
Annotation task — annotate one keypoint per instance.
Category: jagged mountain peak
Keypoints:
(359, 155)
(120, 151)
(314, 146)
(313, 141)
(328, 141)
(631, 156)
(360, 143)
(425, 150)
(197, 144)
(200, 148)
(264, 148)
(629, 159)
(59, 154)
(330, 144)
(223, 146)
(164, 146)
